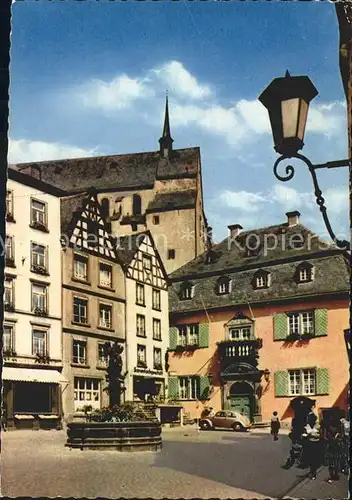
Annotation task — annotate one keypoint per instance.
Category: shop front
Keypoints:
(32, 397)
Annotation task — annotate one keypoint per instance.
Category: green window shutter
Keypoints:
(204, 388)
(281, 383)
(203, 335)
(173, 387)
(173, 334)
(320, 322)
(280, 326)
(322, 381)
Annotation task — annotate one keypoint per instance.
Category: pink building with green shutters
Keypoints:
(256, 325)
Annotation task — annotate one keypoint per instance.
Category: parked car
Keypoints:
(226, 420)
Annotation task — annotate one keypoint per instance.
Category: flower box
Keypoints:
(9, 307)
(39, 270)
(39, 225)
(40, 312)
(9, 353)
(42, 358)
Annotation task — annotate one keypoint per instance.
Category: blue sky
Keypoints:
(89, 78)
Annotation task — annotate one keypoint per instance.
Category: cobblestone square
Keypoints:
(220, 464)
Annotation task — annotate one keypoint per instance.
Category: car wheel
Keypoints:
(205, 426)
(237, 427)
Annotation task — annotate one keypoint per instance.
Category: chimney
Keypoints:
(235, 230)
(292, 218)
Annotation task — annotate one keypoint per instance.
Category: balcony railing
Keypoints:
(231, 351)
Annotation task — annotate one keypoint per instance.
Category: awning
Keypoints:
(32, 375)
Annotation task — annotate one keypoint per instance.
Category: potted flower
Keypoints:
(40, 312)
(42, 357)
(39, 225)
(9, 353)
(39, 269)
(9, 307)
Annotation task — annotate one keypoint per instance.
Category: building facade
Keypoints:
(93, 288)
(32, 327)
(258, 320)
(159, 191)
(147, 317)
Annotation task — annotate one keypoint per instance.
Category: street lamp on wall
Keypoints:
(266, 374)
(287, 101)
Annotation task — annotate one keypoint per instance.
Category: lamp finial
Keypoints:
(287, 74)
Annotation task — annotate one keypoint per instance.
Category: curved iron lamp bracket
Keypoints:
(290, 172)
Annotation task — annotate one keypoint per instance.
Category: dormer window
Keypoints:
(304, 272)
(186, 291)
(261, 279)
(211, 257)
(224, 285)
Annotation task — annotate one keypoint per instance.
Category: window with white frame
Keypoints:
(39, 342)
(301, 323)
(9, 203)
(224, 285)
(9, 253)
(140, 322)
(86, 392)
(79, 351)
(80, 310)
(39, 256)
(105, 275)
(188, 334)
(156, 329)
(302, 382)
(38, 212)
(141, 355)
(105, 315)
(7, 337)
(240, 333)
(8, 292)
(186, 291)
(260, 281)
(156, 299)
(140, 299)
(188, 387)
(39, 297)
(304, 274)
(80, 267)
(157, 358)
(102, 357)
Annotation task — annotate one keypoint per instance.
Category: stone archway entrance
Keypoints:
(242, 397)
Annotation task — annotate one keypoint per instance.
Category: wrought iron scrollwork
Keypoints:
(290, 172)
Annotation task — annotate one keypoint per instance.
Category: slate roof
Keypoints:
(70, 208)
(331, 275)
(233, 254)
(331, 271)
(172, 200)
(130, 171)
(127, 246)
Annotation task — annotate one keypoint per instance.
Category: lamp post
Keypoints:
(287, 100)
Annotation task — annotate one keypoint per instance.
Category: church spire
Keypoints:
(166, 140)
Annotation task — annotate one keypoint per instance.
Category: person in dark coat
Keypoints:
(333, 436)
(275, 425)
(311, 436)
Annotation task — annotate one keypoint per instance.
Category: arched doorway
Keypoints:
(242, 398)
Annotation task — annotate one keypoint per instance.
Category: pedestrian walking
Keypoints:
(345, 444)
(275, 425)
(333, 438)
(311, 436)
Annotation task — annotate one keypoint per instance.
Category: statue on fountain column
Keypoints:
(115, 377)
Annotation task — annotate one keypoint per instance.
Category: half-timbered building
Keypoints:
(93, 301)
(147, 317)
(256, 316)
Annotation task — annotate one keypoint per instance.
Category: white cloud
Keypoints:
(254, 115)
(336, 200)
(328, 119)
(243, 200)
(180, 81)
(22, 151)
(119, 93)
(290, 198)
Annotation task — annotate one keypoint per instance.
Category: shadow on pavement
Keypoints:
(249, 464)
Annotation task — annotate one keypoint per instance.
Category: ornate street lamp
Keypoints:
(287, 101)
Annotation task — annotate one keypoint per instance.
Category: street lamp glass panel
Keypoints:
(302, 120)
(289, 111)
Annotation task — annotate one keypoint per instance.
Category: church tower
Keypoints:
(166, 140)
